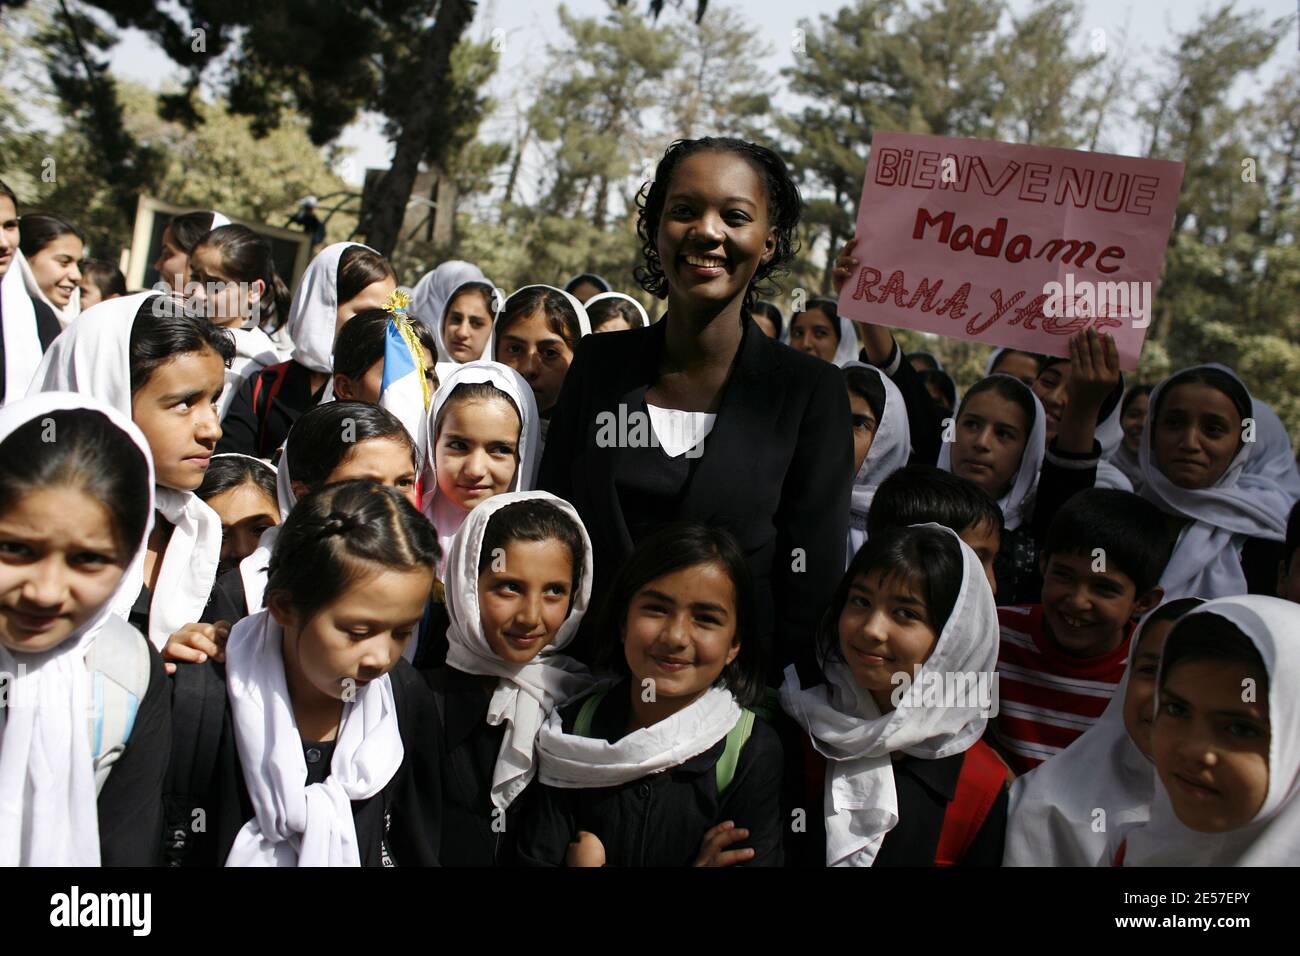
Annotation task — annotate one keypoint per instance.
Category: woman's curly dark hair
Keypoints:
(783, 204)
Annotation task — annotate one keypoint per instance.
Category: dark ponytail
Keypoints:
(247, 257)
(333, 534)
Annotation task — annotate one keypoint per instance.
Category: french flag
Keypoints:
(404, 391)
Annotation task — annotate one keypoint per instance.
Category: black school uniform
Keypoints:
(925, 788)
(399, 826)
(260, 431)
(923, 421)
(228, 600)
(131, 802)
(47, 330)
(660, 819)
(473, 833)
(776, 471)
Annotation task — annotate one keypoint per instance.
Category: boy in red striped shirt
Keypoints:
(1061, 660)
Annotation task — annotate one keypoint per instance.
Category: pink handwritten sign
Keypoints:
(1020, 246)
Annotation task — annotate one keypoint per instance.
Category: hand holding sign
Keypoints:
(1021, 246)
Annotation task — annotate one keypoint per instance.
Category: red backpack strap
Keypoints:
(277, 374)
(979, 784)
(1119, 854)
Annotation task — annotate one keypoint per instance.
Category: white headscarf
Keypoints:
(1273, 456)
(253, 569)
(584, 322)
(314, 311)
(295, 824)
(22, 340)
(1016, 504)
(1051, 816)
(575, 763)
(528, 692)
(1272, 838)
(645, 316)
(254, 351)
(890, 449)
(1206, 560)
(64, 314)
(48, 809)
(446, 515)
(446, 364)
(93, 356)
(434, 292)
(847, 727)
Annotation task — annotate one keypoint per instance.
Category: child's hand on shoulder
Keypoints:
(714, 852)
(195, 643)
(587, 850)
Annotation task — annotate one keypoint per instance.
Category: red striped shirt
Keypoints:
(1046, 698)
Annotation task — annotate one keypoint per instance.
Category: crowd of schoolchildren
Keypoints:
(353, 577)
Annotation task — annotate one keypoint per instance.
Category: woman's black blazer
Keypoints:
(776, 471)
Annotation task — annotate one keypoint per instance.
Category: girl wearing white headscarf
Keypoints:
(1220, 525)
(93, 357)
(544, 375)
(891, 446)
(1053, 817)
(62, 801)
(359, 788)
(488, 751)
(57, 266)
(615, 297)
(1272, 836)
(432, 296)
(343, 279)
(867, 794)
(440, 503)
(846, 344)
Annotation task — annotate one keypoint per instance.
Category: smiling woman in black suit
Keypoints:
(702, 417)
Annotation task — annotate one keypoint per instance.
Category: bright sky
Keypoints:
(529, 26)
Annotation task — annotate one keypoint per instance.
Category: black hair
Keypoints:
(1292, 536)
(1008, 387)
(324, 437)
(918, 494)
(934, 362)
(769, 309)
(1213, 377)
(1128, 529)
(608, 309)
(231, 471)
(560, 315)
(90, 453)
(247, 257)
(1210, 637)
(947, 387)
(535, 519)
(1042, 361)
(1173, 610)
(165, 328)
(589, 278)
(360, 266)
(477, 392)
(107, 277)
(484, 290)
(333, 533)
(671, 549)
(1133, 394)
(784, 206)
(6, 191)
(927, 560)
(361, 342)
(189, 228)
(36, 230)
(829, 308)
(868, 386)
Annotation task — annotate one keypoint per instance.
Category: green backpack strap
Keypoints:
(118, 662)
(587, 714)
(736, 737)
